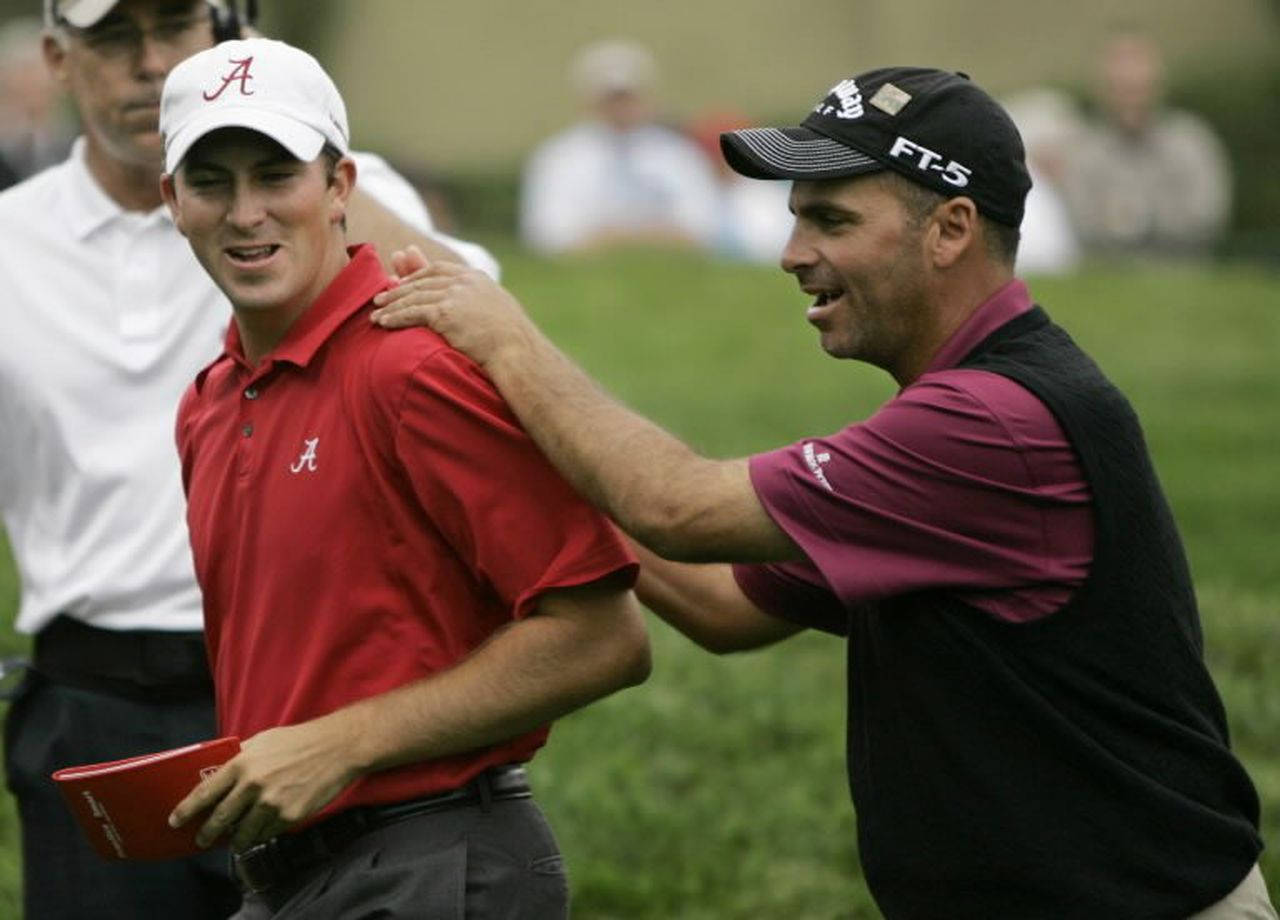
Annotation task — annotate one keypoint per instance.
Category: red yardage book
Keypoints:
(123, 806)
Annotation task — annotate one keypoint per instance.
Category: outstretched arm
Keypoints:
(704, 602)
(370, 221)
(387, 210)
(677, 503)
(583, 643)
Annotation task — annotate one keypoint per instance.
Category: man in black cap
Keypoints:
(1033, 731)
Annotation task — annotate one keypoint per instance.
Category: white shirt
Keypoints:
(593, 178)
(105, 318)
(755, 220)
(1048, 245)
(1166, 191)
(394, 192)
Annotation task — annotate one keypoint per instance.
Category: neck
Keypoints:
(955, 300)
(133, 186)
(263, 328)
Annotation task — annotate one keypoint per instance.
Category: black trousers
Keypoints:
(480, 862)
(52, 725)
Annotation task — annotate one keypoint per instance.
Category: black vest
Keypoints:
(1074, 766)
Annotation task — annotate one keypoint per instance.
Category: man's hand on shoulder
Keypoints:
(474, 313)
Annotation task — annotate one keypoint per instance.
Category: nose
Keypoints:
(246, 210)
(155, 58)
(797, 254)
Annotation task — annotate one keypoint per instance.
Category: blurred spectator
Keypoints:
(618, 177)
(35, 130)
(1145, 178)
(1049, 124)
(753, 220)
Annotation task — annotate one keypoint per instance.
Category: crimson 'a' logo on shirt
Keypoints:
(238, 74)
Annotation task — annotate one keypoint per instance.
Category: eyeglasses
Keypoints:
(123, 38)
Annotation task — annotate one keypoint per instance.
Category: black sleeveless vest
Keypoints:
(1074, 766)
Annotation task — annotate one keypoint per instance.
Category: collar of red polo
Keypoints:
(350, 291)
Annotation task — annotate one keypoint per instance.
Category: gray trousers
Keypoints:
(474, 862)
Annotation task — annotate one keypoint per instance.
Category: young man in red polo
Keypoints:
(400, 593)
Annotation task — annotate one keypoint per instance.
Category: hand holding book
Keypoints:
(123, 806)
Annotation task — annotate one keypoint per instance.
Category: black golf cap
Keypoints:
(934, 127)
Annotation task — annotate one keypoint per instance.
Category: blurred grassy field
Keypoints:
(717, 790)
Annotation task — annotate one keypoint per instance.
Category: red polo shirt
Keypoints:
(364, 512)
(964, 482)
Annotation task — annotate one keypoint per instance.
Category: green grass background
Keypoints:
(717, 789)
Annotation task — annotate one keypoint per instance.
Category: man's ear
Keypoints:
(55, 57)
(340, 188)
(168, 191)
(956, 220)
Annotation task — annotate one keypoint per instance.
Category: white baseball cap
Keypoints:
(613, 66)
(256, 83)
(80, 13)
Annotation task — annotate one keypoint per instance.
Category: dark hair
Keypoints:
(919, 202)
(331, 155)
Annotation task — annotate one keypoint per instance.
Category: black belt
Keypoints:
(145, 664)
(282, 860)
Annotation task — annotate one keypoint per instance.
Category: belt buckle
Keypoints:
(257, 868)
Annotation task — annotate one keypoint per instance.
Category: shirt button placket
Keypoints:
(250, 394)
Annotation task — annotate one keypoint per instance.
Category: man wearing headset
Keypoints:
(107, 317)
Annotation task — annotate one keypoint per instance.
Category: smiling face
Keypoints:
(265, 225)
(858, 251)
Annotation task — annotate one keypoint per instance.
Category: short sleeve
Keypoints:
(965, 482)
(793, 591)
(511, 518)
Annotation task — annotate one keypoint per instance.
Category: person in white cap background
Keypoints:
(107, 318)
(400, 593)
(1032, 728)
(619, 177)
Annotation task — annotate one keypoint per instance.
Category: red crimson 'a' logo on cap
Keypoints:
(239, 73)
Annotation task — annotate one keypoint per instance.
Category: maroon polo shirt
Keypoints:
(964, 482)
(365, 511)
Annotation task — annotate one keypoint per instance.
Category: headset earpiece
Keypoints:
(226, 21)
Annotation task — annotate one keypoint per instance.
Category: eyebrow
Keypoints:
(816, 206)
(270, 161)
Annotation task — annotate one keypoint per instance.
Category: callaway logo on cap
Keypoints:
(935, 128)
(257, 83)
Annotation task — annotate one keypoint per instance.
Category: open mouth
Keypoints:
(824, 296)
(823, 299)
(250, 256)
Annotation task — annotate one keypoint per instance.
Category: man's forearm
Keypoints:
(705, 603)
(615, 458)
(527, 675)
(370, 221)
(675, 502)
(584, 643)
